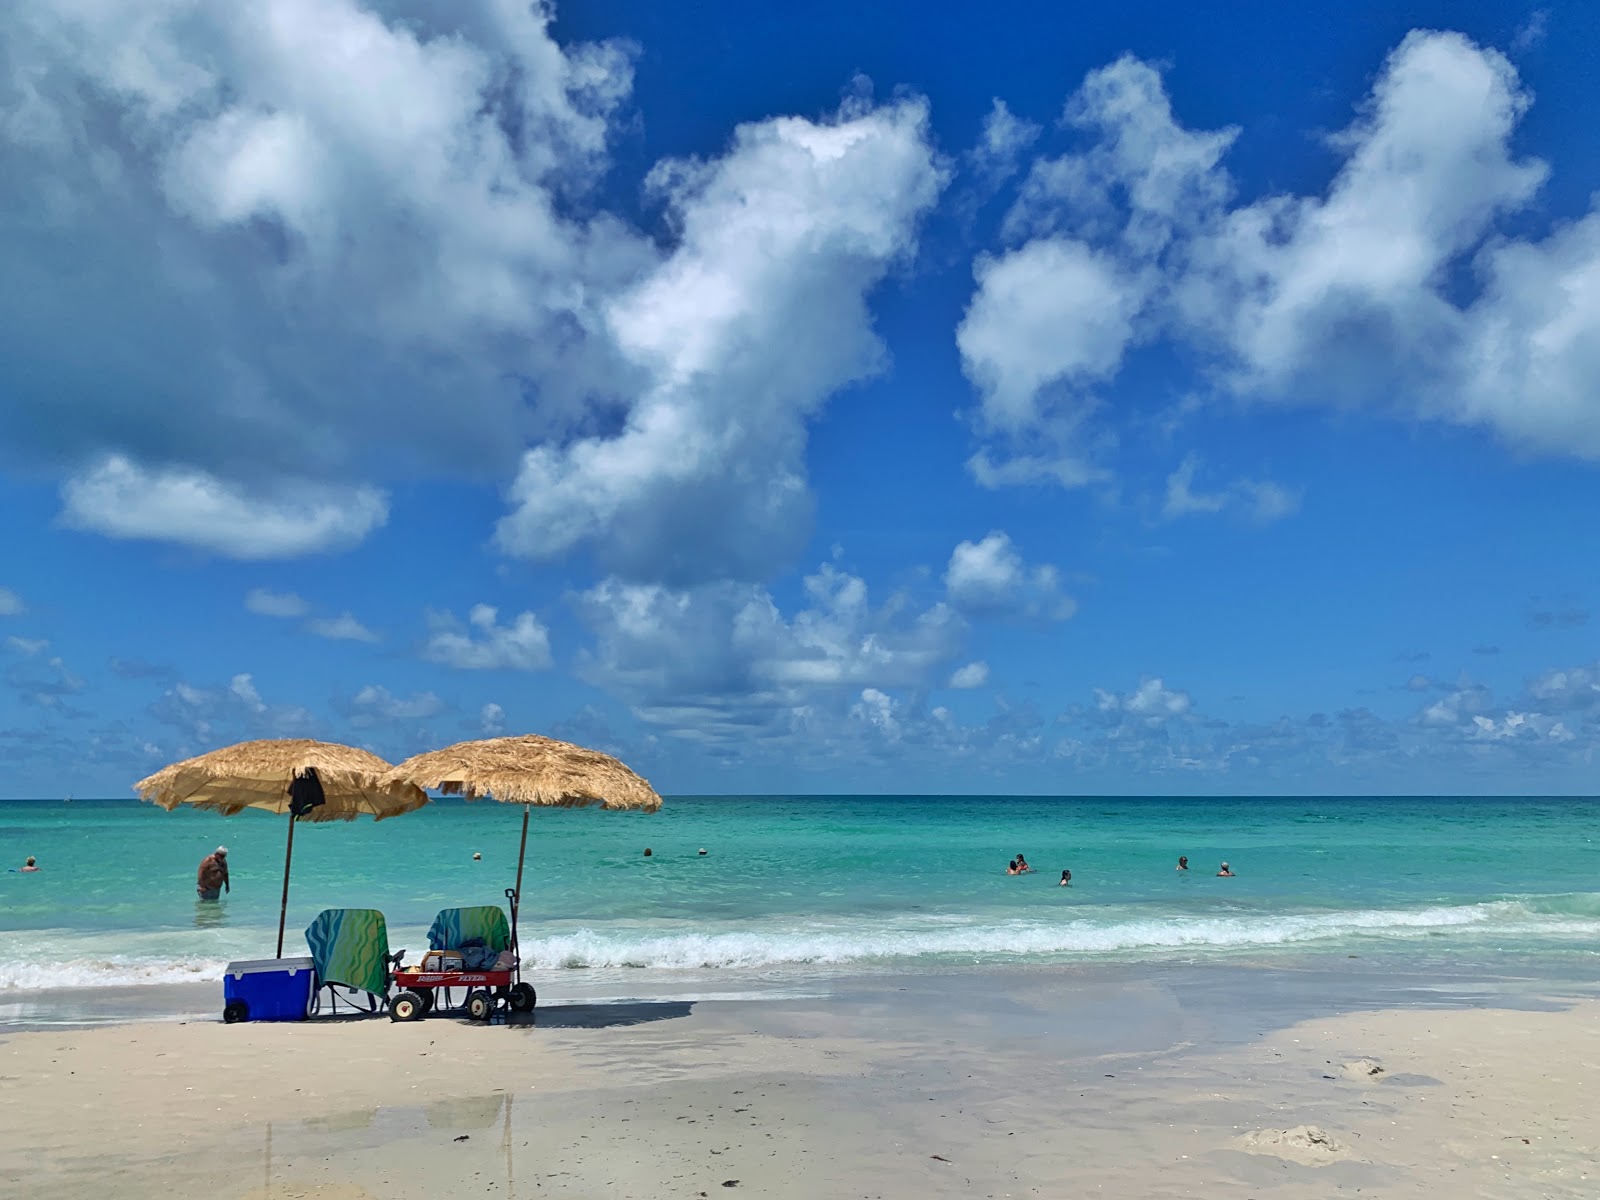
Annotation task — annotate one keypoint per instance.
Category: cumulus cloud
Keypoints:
(483, 644)
(989, 579)
(492, 720)
(1004, 138)
(374, 705)
(1256, 499)
(739, 335)
(10, 603)
(973, 675)
(344, 627)
(722, 661)
(1396, 288)
(120, 499)
(275, 604)
(40, 678)
(263, 260)
(217, 714)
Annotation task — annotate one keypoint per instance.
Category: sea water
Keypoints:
(794, 886)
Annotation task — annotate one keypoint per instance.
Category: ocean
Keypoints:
(796, 887)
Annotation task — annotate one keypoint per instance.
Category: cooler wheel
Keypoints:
(235, 1011)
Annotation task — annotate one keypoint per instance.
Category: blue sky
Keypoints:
(879, 397)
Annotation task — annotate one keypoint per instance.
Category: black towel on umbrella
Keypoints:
(305, 793)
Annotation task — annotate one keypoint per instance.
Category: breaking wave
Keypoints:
(908, 938)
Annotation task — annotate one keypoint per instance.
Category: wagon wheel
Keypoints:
(522, 997)
(406, 1006)
(480, 1005)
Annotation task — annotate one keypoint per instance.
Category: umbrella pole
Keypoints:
(516, 901)
(283, 907)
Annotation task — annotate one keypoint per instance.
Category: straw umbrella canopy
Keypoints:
(528, 770)
(308, 780)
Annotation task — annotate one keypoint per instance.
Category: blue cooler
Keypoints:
(268, 989)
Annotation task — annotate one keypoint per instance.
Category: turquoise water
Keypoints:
(806, 884)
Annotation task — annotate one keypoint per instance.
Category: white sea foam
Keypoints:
(931, 938)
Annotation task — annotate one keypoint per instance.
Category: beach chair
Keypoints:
(350, 949)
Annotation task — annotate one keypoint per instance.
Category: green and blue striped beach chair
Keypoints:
(350, 948)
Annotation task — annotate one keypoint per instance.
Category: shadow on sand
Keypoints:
(602, 1016)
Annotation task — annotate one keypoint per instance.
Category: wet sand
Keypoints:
(1149, 1082)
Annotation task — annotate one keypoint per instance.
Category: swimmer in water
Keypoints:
(1011, 867)
(30, 865)
(1183, 862)
(1022, 865)
(1066, 879)
(1225, 873)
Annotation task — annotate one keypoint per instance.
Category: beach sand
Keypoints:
(1047, 1082)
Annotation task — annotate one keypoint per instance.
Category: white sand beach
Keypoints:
(989, 1084)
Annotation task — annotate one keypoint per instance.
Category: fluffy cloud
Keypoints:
(1259, 500)
(485, 645)
(989, 579)
(737, 337)
(11, 604)
(721, 662)
(40, 678)
(233, 711)
(275, 604)
(973, 675)
(344, 627)
(492, 720)
(376, 706)
(1394, 289)
(120, 499)
(261, 261)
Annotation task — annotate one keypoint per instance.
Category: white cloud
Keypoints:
(486, 645)
(11, 604)
(230, 712)
(989, 579)
(1258, 499)
(1340, 293)
(375, 705)
(1005, 137)
(344, 627)
(275, 604)
(492, 720)
(304, 238)
(1151, 705)
(1394, 289)
(973, 675)
(722, 662)
(27, 647)
(738, 337)
(1047, 322)
(120, 499)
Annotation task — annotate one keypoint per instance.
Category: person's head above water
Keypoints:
(31, 861)
(1012, 864)
(702, 850)
(476, 857)
(1066, 876)
(647, 851)
(222, 852)
(1183, 861)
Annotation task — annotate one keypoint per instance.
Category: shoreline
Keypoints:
(1023, 1082)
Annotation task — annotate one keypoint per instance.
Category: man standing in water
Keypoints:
(212, 880)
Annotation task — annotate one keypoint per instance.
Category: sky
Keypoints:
(891, 398)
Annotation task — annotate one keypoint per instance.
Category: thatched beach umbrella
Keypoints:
(528, 770)
(310, 781)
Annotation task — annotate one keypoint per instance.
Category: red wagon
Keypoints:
(488, 988)
(486, 991)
